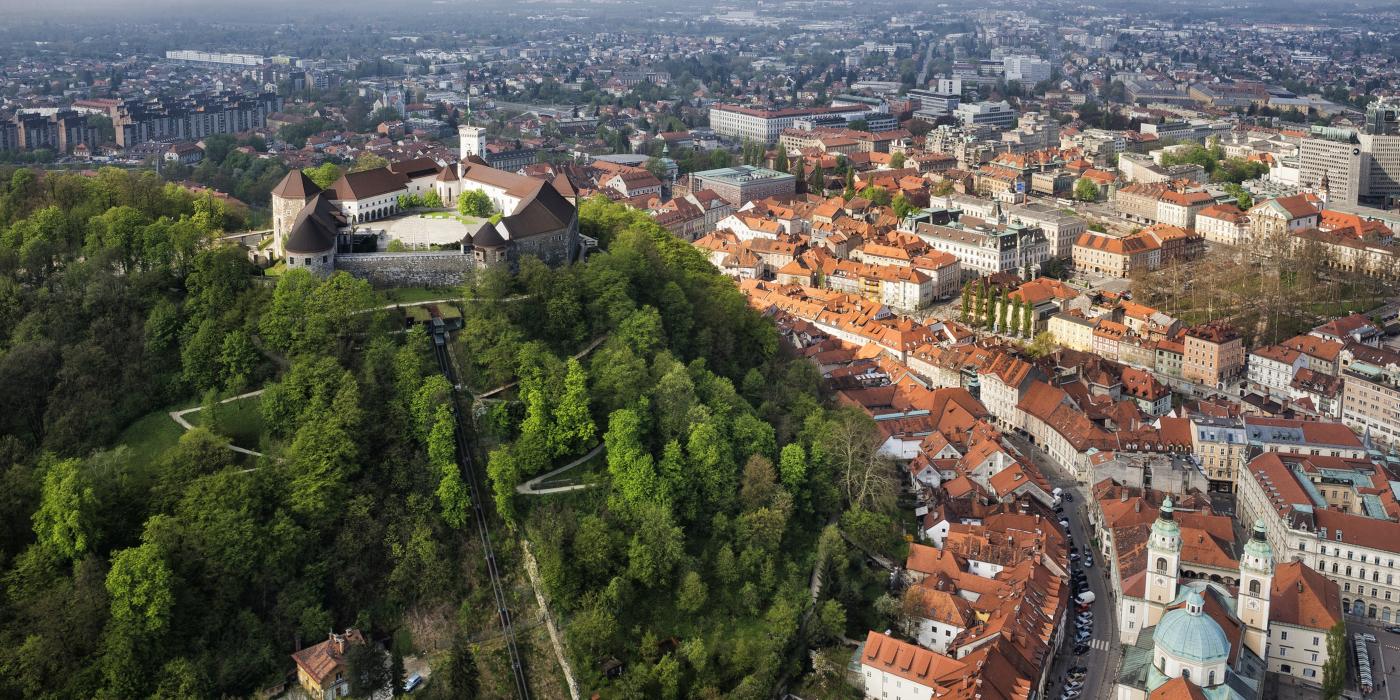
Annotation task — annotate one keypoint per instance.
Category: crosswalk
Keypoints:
(1098, 644)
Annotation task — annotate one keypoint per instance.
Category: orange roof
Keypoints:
(1302, 596)
(909, 661)
(1177, 689)
(321, 660)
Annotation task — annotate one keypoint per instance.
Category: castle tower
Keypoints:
(1256, 580)
(473, 141)
(288, 198)
(1163, 562)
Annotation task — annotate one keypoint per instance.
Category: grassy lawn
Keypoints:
(240, 421)
(153, 433)
(463, 218)
(410, 295)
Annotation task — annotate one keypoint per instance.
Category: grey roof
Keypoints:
(315, 228)
(545, 211)
(487, 237)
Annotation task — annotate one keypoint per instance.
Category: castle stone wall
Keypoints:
(415, 269)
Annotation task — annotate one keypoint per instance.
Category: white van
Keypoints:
(1085, 598)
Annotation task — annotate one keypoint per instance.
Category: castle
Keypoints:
(311, 226)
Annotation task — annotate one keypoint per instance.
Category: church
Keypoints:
(1195, 637)
(311, 226)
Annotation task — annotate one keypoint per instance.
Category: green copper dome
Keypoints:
(1190, 635)
(1166, 525)
(1258, 546)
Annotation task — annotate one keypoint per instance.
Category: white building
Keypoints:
(1026, 69)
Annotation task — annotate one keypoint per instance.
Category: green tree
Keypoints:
(897, 160)
(368, 161)
(574, 430)
(780, 161)
(396, 673)
(902, 206)
(816, 182)
(463, 678)
(792, 467)
(1085, 190)
(1027, 318)
(831, 618)
(657, 546)
(142, 590)
(452, 492)
(691, 596)
(1043, 345)
(366, 669)
(474, 203)
(1334, 671)
(65, 521)
(324, 175)
(504, 473)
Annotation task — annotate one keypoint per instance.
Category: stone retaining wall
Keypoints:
(414, 269)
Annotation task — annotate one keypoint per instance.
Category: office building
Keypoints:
(996, 114)
(744, 183)
(765, 125)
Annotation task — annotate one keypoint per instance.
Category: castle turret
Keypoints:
(289, 197)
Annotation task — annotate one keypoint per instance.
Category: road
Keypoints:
(1385, 657)
(1104, 655)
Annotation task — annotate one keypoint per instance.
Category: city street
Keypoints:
(1104, 655)
(1385, 659)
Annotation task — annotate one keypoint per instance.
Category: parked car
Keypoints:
(1393, 629)
(1067, 496)
(412, 682)
(1088, 561)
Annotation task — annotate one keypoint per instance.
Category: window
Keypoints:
(1282, 635)
(1186, 673)
(1211, 682)
(1310, 673)
(1314, 657)
(1162, 565)
(1254, 587)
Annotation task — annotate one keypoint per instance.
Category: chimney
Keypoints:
(338, 644)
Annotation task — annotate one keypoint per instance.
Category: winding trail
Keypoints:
(179, 417)
(577, 356)
(529, 488)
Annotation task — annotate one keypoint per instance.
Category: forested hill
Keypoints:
(139, 560)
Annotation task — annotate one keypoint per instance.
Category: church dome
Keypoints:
(1190, 635)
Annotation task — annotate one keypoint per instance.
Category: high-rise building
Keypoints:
(1360, 167)
(1383, 118)
(192, 118)
(1026, 69)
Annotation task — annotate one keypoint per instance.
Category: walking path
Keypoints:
(179, 417)
(577, 356)
(532, 571)
(531, 487)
